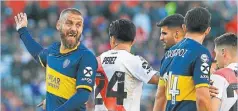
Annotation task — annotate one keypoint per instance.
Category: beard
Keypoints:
(70, 39)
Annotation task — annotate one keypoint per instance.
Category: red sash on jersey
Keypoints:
(110, 102)
(228, 74)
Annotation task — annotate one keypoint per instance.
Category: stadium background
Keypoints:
(22, 80)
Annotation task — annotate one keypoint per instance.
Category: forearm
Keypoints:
(32, 46)
(215, 104)
(79, 99)
(203, 100)
(160, 104)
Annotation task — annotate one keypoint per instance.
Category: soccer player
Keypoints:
(121, 74)
(70, 66)
(171, 33)
(225, 79)
(186, 66)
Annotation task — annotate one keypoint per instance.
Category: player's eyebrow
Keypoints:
(164, 33)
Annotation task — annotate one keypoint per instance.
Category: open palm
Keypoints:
(21, 20)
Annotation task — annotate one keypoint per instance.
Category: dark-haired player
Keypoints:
(171, 33)
(121, 74)
(225, 79)
(186, 66)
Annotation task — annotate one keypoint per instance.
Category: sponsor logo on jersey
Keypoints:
(204, 58)
(205, 68)
(53, 81)
(66, 63)
(146, 65)
(87, 80)
(88, 71)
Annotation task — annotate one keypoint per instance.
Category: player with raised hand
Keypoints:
(186, 66)
(225, 79)
(121, 74)
(70, 66)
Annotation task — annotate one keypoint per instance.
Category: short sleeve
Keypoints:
(219, 83)
(140, 68)
(201, 69)
(86, 71)
(161, 81)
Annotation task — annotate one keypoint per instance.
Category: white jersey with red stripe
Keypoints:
(119, 81)
(226, 80)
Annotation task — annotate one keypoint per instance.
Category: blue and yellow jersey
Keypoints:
(66, 72)
(185, 67)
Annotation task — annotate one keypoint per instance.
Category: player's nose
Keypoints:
(161, 38)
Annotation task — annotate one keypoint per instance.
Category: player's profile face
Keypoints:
(71, 29)
(166, 36)
(219, 58)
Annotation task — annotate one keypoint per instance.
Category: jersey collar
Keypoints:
(233, 66)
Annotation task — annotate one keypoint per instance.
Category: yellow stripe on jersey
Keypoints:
(59, 84)
(84, 87)
(41, 62)
(202, 85)
(181, 88)
(161, 82)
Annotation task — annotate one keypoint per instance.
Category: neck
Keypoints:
(123, 46)
(195, 36)
(232, 60)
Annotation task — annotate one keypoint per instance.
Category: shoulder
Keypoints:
(227, 73)
(54, 46)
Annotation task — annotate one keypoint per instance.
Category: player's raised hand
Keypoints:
(21, 20)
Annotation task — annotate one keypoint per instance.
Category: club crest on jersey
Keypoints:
(205, 68)
(204, 58)
(88, 71)
(66, 63)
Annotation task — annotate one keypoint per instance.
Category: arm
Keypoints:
(218, 82)
(202, 65)
(154, 79)
(203, 100)
(81, 97)
(34, 48)
(216, 102)
(160, 99)
(141, 69)
(84, 83)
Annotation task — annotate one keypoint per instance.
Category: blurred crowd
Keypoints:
(23, 80)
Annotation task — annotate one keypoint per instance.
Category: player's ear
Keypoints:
(184, 27)
(58, 25)
(133, 42)
(208, 30)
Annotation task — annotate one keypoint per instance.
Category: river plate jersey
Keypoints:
(226, 80)
(67, 71)
(184, 68)
(119, 81)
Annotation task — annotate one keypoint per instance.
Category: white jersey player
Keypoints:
(225, 79)
(121, 74)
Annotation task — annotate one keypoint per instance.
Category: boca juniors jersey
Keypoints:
(67, 71)
(185, 67)
(119, 81)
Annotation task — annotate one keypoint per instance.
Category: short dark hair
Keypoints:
(71, 10)
(176, 20)
(227, 39)
(123, 30)
(197, 19)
